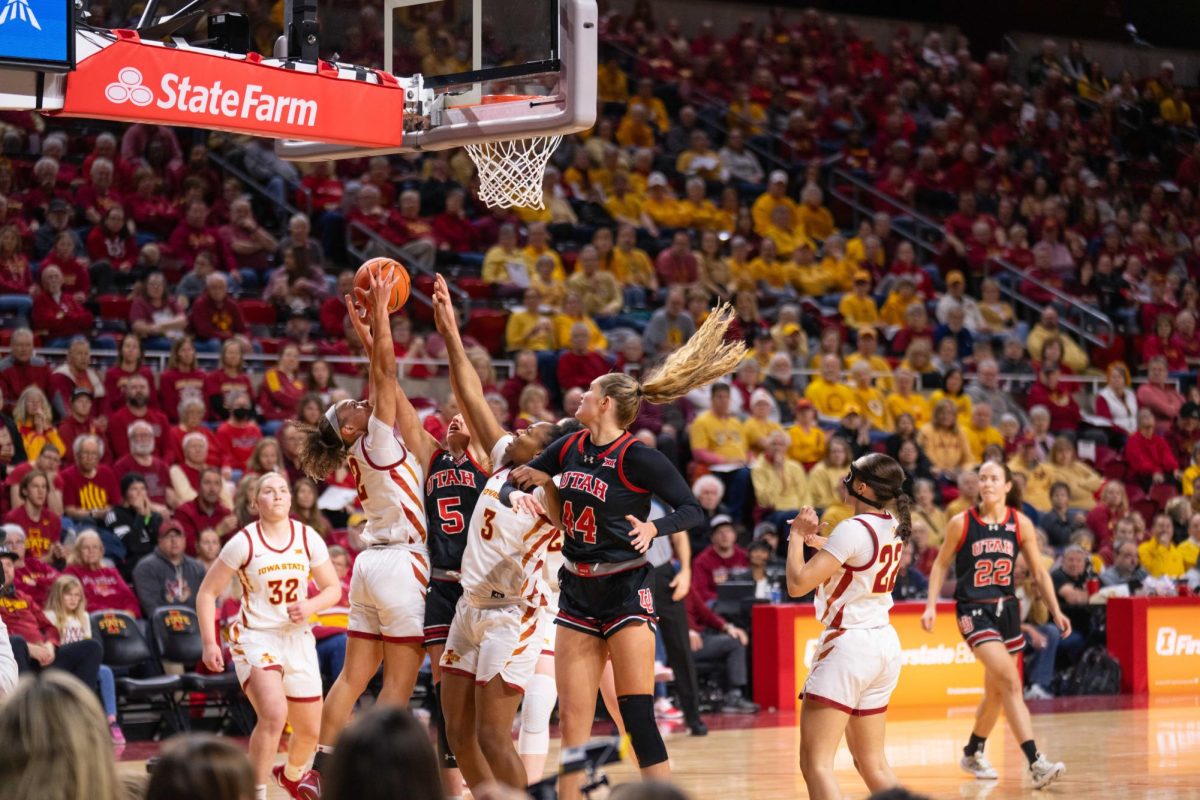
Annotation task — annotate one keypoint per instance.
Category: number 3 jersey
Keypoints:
(506, 548)
(986, 555)
(273, 579)
(859, 593)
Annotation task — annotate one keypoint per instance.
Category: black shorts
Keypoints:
(440, 603)
(991, 622)
(603, 605)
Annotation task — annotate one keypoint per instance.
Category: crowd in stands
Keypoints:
(692, 189)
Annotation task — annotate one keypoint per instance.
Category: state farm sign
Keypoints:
(132, 81)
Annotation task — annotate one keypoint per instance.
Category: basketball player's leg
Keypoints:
(580, 659)
(608, 693)
(533, 743)
(264, 688)
(401, 663)
(632, 651)
(864, 737)
(458, 707)
(1006, 684)
(451, 777)
(305, 719)
(987, 714)
(496, 705)
(821, 729)
(363, 657)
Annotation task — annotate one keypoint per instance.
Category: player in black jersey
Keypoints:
(983, 542)
(452, 486)
(606, 480)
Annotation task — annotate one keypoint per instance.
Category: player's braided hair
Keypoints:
(890, 483)
(321, 449)
(703, 359)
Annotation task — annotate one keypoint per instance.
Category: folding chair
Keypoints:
(176, 632)
(125, 648)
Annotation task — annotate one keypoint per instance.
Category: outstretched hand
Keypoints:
(526, 477)
(443, 308)
(357, 307)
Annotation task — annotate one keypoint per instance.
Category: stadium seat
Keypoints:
(125, 648)
(176, 632)
(114, 307)
(1163, 493)
(475, 288)
(487, 326)
(258, 312)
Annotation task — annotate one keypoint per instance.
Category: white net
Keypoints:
(510, 172)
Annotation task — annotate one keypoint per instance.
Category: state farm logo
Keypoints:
(1170, 642)
(128, 88)
(178, 93)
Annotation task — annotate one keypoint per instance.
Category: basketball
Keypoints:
(362, 280)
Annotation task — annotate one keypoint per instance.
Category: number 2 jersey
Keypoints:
(452, 489)
(389, 483)
(273, 579)
(986, 555)
(859, 594)
(506, 548)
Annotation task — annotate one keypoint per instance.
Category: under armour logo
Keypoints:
(589, 459)
(19, 9)
(128, 87)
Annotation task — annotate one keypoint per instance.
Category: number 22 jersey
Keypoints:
(859, 594)
(273, 579)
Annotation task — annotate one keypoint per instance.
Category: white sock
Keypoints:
(260, 791)
(293, 773)
(540, 697)
(325, 748)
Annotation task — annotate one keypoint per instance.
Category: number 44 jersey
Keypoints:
(272, 579)
(859, 594)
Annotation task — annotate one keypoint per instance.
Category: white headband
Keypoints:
(331, 416)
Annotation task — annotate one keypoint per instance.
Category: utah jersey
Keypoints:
(452, 488)
(986, 555)
(389, 483)
(859, 594)
(599, 487)
(506, 548)
(271, 579)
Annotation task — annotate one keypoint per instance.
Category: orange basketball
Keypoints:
(362, 280)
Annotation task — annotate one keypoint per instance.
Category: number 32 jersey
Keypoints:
(859, 593)
(273, 579)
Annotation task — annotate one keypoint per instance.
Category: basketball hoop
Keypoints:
(511, 171)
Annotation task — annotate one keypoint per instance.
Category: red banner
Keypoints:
(130, 81)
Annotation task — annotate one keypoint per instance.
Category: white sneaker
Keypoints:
(664, 709)
(663, 673)
(980, 767)
(1045, 772)
(1036, 692)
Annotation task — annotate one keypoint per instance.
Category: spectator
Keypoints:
(103, 587)
(1065, 416)
(743, 165)
(712, 565)
(1125, 569)
(58, 315)
(152, 211)
(79, 421)
(573, 313)
(135, 522)
(32, 575)
(1148, 454)
(776, 195)
(780, 483)
(506, 265)
(903, 400)
(130, 362)
(980, 432)
(453, 230)
(717, 439)
(382, 754)
(945, 443)
(1163, 400)
(1070, 584)
(1047, 328)
(182, 378)
(1041, 634)
(252, 245)
(760, 424)
(167, 576)
(1083, 481)
(578, 365)
(22, 368)
(35, 423)
(869, 400)
(89, 487)
(829, 396)
(198, 766)
(137, 409)
(1117, 402)
(228, 381)
(825, 478)
(143, 461)
(713, 639)
(205, 511)
(281, 389)
(193, 236)
(1159, 553)
(41, 525)
(598, 289)
(910, 584)
(1102, 520)
(1189, 548)
(1060, 521)
(677, 265)
(295, 287)
(195, 447)
(669, 326)
(113, 252)
(215, 317)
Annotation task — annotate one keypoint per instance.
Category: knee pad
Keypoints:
(540, 697)
(445, 756)
(637, 711)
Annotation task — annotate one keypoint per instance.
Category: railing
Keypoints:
(926, 234)
(376, 241)
(253, 185)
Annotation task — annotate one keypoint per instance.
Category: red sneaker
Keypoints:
(307, 788)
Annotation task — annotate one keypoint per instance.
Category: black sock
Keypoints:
(975, 745)
(319, 760)
(1030, 750)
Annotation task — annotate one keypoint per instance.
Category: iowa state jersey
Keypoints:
(596, 497)
(983, 565)
(452, 488)
(273, 579)
(859, 594)
(389, 483)
(506, 548)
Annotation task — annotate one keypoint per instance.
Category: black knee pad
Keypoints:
(445, 757)
(637, 710)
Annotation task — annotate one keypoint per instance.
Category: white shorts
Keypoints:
(855, 670)
(486, 642)
(292, 654)
(387, 595)
(550, 613)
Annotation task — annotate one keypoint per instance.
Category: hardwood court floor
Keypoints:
(1132, 749)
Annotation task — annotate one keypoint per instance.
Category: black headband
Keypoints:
(854, 475)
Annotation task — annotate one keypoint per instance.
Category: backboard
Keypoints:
(477, 70)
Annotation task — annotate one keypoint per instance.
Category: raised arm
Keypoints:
(941, 565)
(464, 381)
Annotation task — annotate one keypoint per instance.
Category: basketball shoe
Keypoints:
(307, 788)
(1045, 772)
(979, 766)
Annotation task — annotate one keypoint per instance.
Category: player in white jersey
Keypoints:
(391, 576)
(541, 694)
(273, 649)
(857, 663)
(496, 636)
